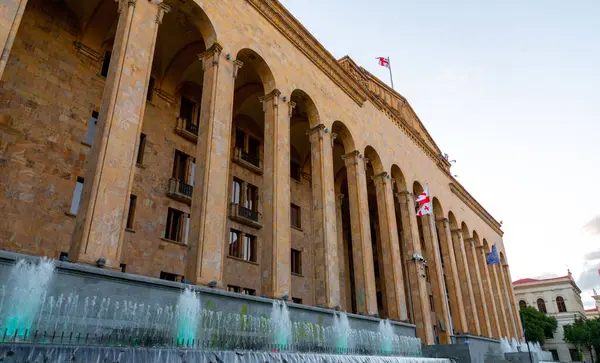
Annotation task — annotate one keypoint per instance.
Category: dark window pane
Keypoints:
(150, 89)
(131, 212)
(251, 197)
(295, 171)
(295, 215)
(141, 148)
(240, 137)
(296, 262)
(186, 110)
(105, 64)
(234, 244)
(253, 147)
(249, 253)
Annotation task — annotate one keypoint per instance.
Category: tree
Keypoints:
(584, 334)
(537, 325)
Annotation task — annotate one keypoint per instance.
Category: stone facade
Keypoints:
(179, 139)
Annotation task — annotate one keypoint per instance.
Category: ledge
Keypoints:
(242, 260)
(472, 203)
(297, 228)
(69, 214)
(173, 242)
(244, 164)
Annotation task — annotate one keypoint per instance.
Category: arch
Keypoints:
(417, 188)
(438, 211)
(541, 305)
(522, 304)
(343, 135)
(97, 30)
(254, 63)
(305, 107)
(465, 231)
(178, 66)
(452, 219)
(374, 160)
(486, 246)
(398, 176)
(560, 304)
(476, 239)
(502, 258)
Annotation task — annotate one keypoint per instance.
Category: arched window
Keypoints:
(560, 303)
(522, 304)
(541, 305)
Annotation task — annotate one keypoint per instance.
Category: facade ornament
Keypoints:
(237, 65)
(333, 137)
(383, 176)
(125, 4)
(162, 10)
(291, 107)
(320, 129)
(273, 95)
(352, 157)
(211, 54)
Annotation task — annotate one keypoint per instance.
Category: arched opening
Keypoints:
(560, 304)
(400, 188)
(445, 254)
(522, 304)
(541, 305)
(349, 266)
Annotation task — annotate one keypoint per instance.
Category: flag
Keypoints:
(384, 62)
(424, 201)
(598, 271)
(492, 257)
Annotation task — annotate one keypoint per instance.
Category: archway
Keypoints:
(403, 224)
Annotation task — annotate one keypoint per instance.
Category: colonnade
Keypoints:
(434, 270)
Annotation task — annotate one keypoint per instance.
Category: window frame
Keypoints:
(131, 211)
(541, 305)
(231, 250)
(295, 207)
(560, 301)
(296, 261)
(77, 193)
(522, 306)
(91, 131)
(141, 150)
(106, 64)
(182, 226)
(248, 252)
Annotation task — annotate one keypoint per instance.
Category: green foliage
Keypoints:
(537, 325)
(584, 334)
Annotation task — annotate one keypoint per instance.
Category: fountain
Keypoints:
(43, 320)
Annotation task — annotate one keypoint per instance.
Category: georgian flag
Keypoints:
(424, 200)
(384, 62)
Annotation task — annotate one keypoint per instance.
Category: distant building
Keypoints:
(559, 297)
(594, 312)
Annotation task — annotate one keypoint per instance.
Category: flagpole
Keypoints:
(390, 68)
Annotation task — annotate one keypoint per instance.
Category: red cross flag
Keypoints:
(424, 200)
(384, 62)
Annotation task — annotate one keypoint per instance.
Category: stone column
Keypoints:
(437, 277)
(276, 249)
(513, 301)
(344, 269)
(504, 331)
(390, 248)
(327, 276)
(208, 237)
(11, 13)
(362, 251)
(488, 291)
(466, 284)
(98, 235)
(508, 308)
(482, 308)
(453, 283)
(416, 271)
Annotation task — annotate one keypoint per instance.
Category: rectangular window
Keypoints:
(170, 277)
(234, 244)
(177, 226)
(186, 110)
(297, 300)
(150, 89)
(183, 167)
(105, 64)
(295, 171)
(76, 196)
(250, 292)
(92, 122)
(249, 253)
(554, 354)
(251, 197)
(240, 139)
(131, 213)
(141, 149)
(232, 288)
(236, 191)
(296, 262)
(253, 148)
(574, 355)
(295, 214)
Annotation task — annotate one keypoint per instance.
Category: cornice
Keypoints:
(292, 29)
(468, 199)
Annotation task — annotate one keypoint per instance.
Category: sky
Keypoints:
(510, 89)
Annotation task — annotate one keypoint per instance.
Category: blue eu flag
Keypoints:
(492, 257)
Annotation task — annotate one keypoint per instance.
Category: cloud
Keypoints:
(593, 226)
(592, 256)
(589, 278)
(546, 275)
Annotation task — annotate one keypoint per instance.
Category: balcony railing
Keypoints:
(247, 160)
(180, 191)
(186, 129)
(244, 215)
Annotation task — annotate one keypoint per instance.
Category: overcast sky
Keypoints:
(511, 90)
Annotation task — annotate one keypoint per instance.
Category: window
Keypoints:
(295, 214)
(150, 89)
(105, 64)
(560, 303)
(297, 300)
(184, 168)
(554, 355)
(123, 267)
(541, 305)
(249, 252)
(253, 148)
(251, 197)
(522, 304)
(236, 191)
(170, 277)
(574, 355)
(131, 212)
(295, 171)
(250, 292)
(76, 196)
(234, 243)
(178, 224)
(296, 262)
(232, 288)
(92, 122)
(141, 149)
(240, 139)
(190, 112)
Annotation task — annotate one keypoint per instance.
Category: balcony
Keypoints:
(244, 215)
(186, 129)
(180, 191)
(247, 160)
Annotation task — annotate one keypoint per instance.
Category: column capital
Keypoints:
(318, 131)
(124, 4)
(162, 10)
(443, 220)
(384, 176)
(333, 137)
(456, 230)
(470, 240)
(479, 247)
(271, 96)
(213, 52)
(237, 65)
(352, 157)
(291, 107)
